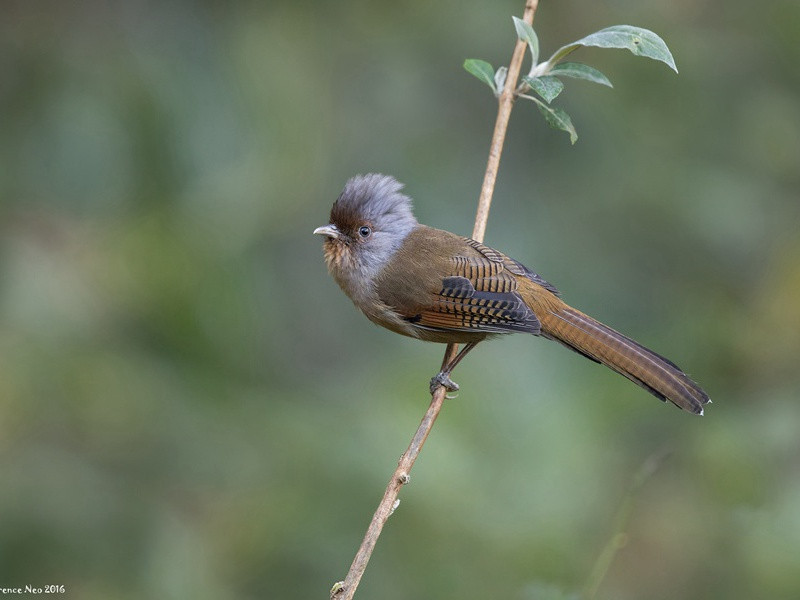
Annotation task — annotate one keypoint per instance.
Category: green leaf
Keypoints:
(642, 42)
(558, 119)
(526, 33)
(555, 117)
(580, 71)
(547, 86)
(482, 70)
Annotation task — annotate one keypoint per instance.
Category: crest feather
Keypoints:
(372, 198)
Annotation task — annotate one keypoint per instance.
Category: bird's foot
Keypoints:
(444, 380)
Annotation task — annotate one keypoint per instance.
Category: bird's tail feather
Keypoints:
(661, 377)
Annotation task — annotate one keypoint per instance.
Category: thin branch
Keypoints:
(506, 103)
(345, 590)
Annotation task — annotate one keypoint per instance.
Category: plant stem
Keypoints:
(506, 103)
(345, 590)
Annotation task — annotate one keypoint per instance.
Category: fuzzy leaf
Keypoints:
(547, 86)
(558, 119)
(500, 79)
(482, 70)
(642, 42)
(526, 33)
(580, 71)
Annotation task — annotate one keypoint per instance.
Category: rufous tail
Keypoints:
(659, 376)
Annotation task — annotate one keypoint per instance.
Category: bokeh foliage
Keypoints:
(189, 407)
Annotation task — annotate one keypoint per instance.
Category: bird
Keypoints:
(437, 286)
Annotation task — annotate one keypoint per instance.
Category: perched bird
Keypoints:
(434, 285)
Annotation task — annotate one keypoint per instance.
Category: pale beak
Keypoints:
(328, 230)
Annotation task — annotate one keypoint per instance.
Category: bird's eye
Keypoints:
(364, 231)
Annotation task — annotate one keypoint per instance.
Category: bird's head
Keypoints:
(368, 223)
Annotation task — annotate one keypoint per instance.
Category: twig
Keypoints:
(500, 126)
(345, 590)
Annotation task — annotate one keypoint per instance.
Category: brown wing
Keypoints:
(511, 265)
(479, 293)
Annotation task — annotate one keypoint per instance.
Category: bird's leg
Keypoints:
(443, 377)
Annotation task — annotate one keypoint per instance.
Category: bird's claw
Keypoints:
(444, 380)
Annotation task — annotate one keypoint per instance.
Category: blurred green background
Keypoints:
(189, 406)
